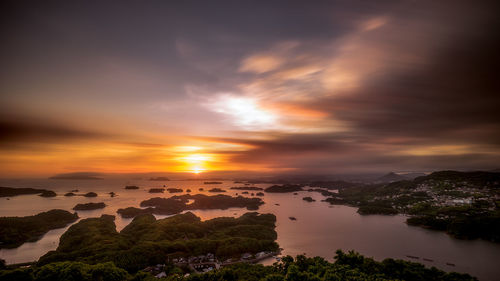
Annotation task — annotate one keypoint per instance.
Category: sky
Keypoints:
(300, 87)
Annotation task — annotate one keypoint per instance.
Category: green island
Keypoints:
(131, 187)
(184, 248)
(174, 190)
(284, 188)
(89, 206)
(179, 203)
(14, 231)
(464, 204)
(12, 191)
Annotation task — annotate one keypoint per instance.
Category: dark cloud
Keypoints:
(17, 129)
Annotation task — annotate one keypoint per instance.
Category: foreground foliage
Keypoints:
(347, 266)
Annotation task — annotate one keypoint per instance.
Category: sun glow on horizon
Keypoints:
(195, 163)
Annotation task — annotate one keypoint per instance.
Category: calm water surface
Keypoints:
(319, 230)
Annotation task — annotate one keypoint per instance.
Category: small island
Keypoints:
(131, 187)
(284, 188)
(14, 231)
(12, 191)
(308, 199)
(174, 190)
(69, 194)
(48, 193)
(260, 194)
(89, 206)
(216, 190)
(247, 188)
(212, 182)
(179, 203)
(90, 194)
(156, 190)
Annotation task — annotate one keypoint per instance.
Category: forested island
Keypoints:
(14, 231)
(89, 206)
(464, 204)
(284, 188)
(177, 204)
(12, 191)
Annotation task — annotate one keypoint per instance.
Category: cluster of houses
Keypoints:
(206, 263)
(445, 194)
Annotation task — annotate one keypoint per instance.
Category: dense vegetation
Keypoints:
(89, 206)
(14, 231)
(430, 202)
(147, 241)
(11, 191)
(177, 204)
(284, 188)
(464, 222)
(347, 266)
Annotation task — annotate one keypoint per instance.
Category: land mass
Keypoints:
(89, 206)
(247, 188)
(464, 204)
(177, 204)
(12, 191)
(147, 241)
(284, 188)
(77, 176)
(14, 231)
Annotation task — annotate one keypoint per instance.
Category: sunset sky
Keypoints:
(248, 86)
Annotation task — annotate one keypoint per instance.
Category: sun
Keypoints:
(195, 162)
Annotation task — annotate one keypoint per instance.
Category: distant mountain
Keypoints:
(412, 176)
(159, 179)
(391, 177)
(479, 178)
(77, 176)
